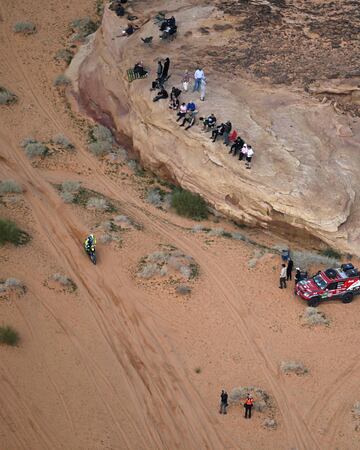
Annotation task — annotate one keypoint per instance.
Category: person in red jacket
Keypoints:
(249, 403)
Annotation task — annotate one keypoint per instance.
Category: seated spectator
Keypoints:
(243, 152)
(160, 95)
(237, 146)
(182, 112)
(189, 118)
(169, 31)
(139, 69)
(209, 122)
(129, 30)
(174, 103)
(219, 130)
(249, 156)
(226, 133)
(191, 106)
(233, 136)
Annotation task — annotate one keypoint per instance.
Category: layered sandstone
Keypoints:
(307, 159)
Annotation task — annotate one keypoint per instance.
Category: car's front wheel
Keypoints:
(348, 298)
(314, 302)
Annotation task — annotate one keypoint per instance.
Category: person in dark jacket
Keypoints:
(237, 146)
(223, 402)
(160, 95)
(219, 130)
(289, 269)
(297, 275)
(160, 68)
(227, 131)
(166, 67)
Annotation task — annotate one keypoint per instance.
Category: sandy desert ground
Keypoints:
(122, 363)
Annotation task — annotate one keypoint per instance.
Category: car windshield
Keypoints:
(320, 282)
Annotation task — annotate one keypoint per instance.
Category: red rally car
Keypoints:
(342, 283)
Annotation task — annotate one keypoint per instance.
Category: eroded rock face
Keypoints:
(307, 157)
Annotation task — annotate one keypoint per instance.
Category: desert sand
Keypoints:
(123, 362)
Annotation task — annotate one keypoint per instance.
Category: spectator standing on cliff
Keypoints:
(223, 402)
(227, 131)
(202, 89)
(289, 269)
(160, 68)
(283, 277)
(186, 80)
(198, 76)
(165, 71)
(249, 156)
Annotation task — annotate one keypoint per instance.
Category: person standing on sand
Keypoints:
(198, 76)
(160, 68)
(249, 403)
(223, 402)
(165, 71)
(283, 277)
(289, 269)
(186, 80)
(202, 89)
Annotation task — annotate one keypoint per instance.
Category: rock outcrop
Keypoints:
(307, 156)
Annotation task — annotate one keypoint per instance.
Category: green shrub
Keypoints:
(64, 55)
(100, 148)
(9, 232)
(7, 97)
(63, 141)
(331, 253)
(9, 336)
(36, 149)
(82, 28)
(190, 205)
(61, 80)
(10, 187)
(24, 28)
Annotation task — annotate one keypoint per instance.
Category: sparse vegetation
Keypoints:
(182, 289)
(331, 253)
(24, 28)
(34, 148)
(262, 400)
(293, 367)
(98, 204)
(64, 55)
(64, 281)
(9, 232)
(101, 140)
(270, 423)
(82, 28)
(10, 187)
(306, 259)
(197, 369)
(12, 284)
(69, 190)
(167, 261)
(356, 410)
(7, 97)
(9, 336)
(63, 142)
(62, 80)
(189, 205)
(312, 316)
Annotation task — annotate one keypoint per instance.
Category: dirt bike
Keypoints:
(91, 253)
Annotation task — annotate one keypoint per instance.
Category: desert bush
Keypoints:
(189, 205)
(216, 232)
(99, 204)
(331, 253)
(312, 316)
(14, 283)
(64, 55)
(293, 367)
(68, 197)
(123, 219)
(356, 410)
(9, 232)
(10, 187)
(61, 80)
(154, 197)
(7, 97)
(100, 148)
(24, 28)
(63, 141)
(101, 133)
(306, 259)
(197, 228)
(148, 271)
(34, 148)
(71, 186)
(262, 400)
(9, 336)
(182, 289)
(270, 423)
(64, 280)
(82, 28)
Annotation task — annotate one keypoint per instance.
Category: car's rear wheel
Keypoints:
(314, 302)
(348, 298)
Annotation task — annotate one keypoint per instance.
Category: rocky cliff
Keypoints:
(307, 153)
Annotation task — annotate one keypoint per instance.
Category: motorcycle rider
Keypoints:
(90, 242)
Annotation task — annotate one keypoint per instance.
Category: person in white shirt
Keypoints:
(249, 155)
(243, 152)
(283, 277)
(198, 76)
(202, 89)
